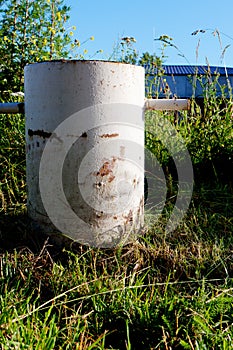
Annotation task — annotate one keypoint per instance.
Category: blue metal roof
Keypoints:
(189, 70)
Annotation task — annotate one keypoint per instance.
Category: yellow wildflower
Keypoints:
(52, 31)
(59, 16)
(71, 33)
(85, 51)
(92, 38)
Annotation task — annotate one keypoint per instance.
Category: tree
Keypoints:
(31, 31)
(151, 60)
(126, 52)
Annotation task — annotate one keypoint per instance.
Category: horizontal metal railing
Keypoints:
(155, 104)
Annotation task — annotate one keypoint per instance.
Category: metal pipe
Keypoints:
(12, 107)
(154, 104)
(167, 104)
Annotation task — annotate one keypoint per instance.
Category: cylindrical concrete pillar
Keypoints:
(85, 149)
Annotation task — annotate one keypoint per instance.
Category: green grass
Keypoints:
(164, 291)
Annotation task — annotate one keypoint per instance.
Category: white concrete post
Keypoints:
(85, 149)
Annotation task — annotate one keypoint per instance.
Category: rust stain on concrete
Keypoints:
(128, 218)
(109, 135)
(107, 170)
(40, 133)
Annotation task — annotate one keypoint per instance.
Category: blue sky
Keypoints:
(109, 20)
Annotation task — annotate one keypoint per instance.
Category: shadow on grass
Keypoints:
(16, 234)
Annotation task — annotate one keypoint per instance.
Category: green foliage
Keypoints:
(151, 60)
(12, 163)
(31, 31)
(154, 78)
(207, 133)
(124, 51)
(209, 136)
